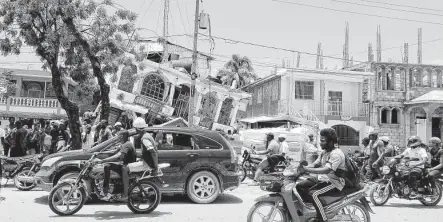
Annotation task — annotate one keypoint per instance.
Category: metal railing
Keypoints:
(31, 102)
(337, 108)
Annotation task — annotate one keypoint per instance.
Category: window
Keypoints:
(347, 136)
(335, 103)
(384, 116)
(176, 141)
(304, 90)
(207, 143)
(153, 87)
(394, 116)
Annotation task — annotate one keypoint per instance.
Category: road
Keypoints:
(230, 207)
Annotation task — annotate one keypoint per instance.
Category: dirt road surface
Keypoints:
(32, 206)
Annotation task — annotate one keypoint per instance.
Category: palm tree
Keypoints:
(238, 69)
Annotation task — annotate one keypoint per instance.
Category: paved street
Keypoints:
(233, 206)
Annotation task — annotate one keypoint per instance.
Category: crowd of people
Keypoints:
(28, 137)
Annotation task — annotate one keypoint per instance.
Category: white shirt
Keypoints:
(2, 132)
(284, 147)
(418, 152)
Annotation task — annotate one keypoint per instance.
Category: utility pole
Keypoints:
(192, 98)
(165, 32)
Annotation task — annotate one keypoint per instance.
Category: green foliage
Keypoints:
(41, 24)
(7, 86)
(239, 69)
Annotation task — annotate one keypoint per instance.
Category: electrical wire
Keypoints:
(387, 8)
(358, 13)
(405, 6)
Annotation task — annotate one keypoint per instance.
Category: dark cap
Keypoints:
(270, 134)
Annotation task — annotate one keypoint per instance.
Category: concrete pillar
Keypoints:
(234, 112)
(18, 88)
(217, 111)
(199, 101)
(428, 126)
(171, 94)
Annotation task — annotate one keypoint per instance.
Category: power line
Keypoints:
(393, 9)
(359, 13)
(275, 48)
(405, 6)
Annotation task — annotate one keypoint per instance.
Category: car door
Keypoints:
(178, 150)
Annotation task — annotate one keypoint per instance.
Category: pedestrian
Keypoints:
(63, 137)
(54, 132)
(8, 136)
(18, 148)
(105, 131)
(47, 142)
(32, 140)
(87, 137)
(118, 127)
(2, 139)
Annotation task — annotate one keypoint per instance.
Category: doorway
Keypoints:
(436, 131)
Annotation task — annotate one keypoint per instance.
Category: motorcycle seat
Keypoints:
(334, 197)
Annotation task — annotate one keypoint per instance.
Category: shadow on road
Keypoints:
(415, 206)
(116, 215)
(176, 199)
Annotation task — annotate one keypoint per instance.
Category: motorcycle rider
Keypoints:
(272, 151)
(119, 163)
(387, 151)
(330, 167)
(436, 152)
(148, 145)
(415, 150)
(376, 150)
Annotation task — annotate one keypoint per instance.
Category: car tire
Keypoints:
(203, 187)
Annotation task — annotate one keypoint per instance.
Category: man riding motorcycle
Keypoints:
(330, 167)
(387, 151)
(273, 157)
(414, 151)
(436, 158)
(148, 145)
(118, 163)
(376, 150)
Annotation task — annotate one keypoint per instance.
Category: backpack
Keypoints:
(352, 175)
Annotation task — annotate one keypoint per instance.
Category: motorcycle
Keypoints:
(250, 164)
(71, 195)
(12, 166)
(24, 179)
(286, 204)
(395, 184)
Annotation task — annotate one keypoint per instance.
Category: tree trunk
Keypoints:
(71, 108)
(96, 67)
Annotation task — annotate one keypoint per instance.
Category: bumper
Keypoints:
(43, 180)
(231, 181)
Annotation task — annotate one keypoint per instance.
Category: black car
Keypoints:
(203, 164)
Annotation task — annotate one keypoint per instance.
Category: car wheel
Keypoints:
(203, 187)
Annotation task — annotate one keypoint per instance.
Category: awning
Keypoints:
(435, 96)
(271, 119)
(128, 106)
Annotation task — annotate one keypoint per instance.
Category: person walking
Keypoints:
(18, 148)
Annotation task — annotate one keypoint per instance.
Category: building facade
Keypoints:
(335, 99)
(33, 96)
(160, 90)
(406, 100)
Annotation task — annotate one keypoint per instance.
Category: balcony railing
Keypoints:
(31, 102)
(149, 103)
(337, 108)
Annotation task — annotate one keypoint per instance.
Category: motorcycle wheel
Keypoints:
(434, 201)
(380, 188)
(354, 207)
(24, 186)
(57, 197)
(136, 197)
(280, 213)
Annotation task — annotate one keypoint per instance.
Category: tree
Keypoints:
(7, 87)
(239, 69)
(75, 39)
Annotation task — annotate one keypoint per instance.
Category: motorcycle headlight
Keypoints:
(385, 170)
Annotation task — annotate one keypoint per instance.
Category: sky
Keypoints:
(298, 26)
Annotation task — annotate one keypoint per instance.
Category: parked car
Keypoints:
(203, 164)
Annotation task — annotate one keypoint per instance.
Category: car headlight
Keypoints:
(385, 170)
(51, 161)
